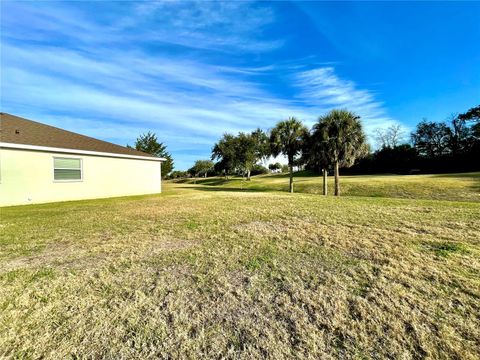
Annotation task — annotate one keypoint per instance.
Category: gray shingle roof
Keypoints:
(17, 130)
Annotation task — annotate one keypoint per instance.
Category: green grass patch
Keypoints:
(445, 249)
(263, 258)
(191, 225)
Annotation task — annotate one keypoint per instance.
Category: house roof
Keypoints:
(20, 131)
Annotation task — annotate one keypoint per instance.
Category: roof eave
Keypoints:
(76, 151)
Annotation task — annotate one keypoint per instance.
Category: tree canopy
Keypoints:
(340, 140)
(201, 167)
(149, 144)
(225, 152)
(241, 152)
(431, 138)
(337, 141)
(275, 166)
(389, 137)
(288, 138)
(472, 114)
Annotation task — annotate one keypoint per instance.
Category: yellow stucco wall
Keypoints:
(26, 177)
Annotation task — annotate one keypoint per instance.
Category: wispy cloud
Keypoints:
(57, 70)
(219, 25)
(323, 88)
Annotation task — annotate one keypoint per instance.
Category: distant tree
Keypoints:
(224, 151)
(342, 140)
(398, 159)
(471, 115)
(258, 169)
(476, 131)
(317, 152)
(245, 153)
(460, 135)
(251, 148)
(149, 144)
(275, 166)
(287, 138)
(240, 153)
(449, 146)
(432, 139)
(389, 137)
(178, 174)
(285, 168)
(261, 144)
(201, 167)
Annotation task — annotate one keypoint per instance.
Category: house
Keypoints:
(41, 163)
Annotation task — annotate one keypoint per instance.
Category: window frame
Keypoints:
(67, 180)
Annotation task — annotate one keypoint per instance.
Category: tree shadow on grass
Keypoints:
(286, 175)
(476, 186)
(215, 181)
(227, 189)
(474, 176)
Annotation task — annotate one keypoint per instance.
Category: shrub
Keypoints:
(259, 170)
(177, 175)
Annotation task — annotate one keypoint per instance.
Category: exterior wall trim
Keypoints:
(75, 151)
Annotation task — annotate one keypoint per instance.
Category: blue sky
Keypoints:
(190, 71)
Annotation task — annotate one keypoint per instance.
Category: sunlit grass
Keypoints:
(459, 187)
(196, 273)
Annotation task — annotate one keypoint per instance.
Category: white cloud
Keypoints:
(118, 91)
(323, 88)
(219, 25)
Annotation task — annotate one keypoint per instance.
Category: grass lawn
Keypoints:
(195, 273)
(461, 187)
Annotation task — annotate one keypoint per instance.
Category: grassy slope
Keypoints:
(195, 273)
(462, 187)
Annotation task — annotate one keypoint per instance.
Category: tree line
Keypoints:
(337, 141)
(334, 142)
(433, 147)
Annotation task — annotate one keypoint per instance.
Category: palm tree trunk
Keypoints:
(291, 178)
(337, 179)
(325, 188)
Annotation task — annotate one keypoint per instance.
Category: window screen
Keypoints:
(67, 169)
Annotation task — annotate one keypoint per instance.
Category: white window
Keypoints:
(67, 169)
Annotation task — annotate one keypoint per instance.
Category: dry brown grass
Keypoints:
(202, 274)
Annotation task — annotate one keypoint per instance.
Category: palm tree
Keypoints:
(340, 140)
(287, 138)
(316, 153)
